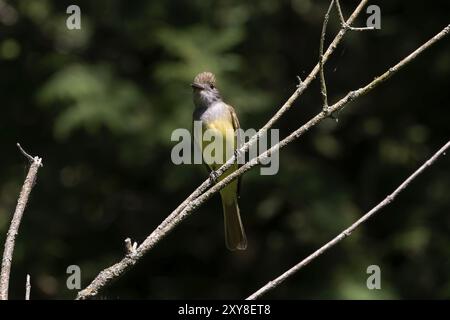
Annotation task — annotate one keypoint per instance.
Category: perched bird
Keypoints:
(221, 119)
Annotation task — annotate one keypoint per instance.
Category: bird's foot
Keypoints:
(213, 176)
(237, 155)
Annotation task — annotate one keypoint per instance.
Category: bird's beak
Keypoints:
(196, 86)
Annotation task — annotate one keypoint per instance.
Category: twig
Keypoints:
(110, 273)
(28, 288)
(347, 232)
(105, 276)
(345, 24)
(28, 185)
(26, 155)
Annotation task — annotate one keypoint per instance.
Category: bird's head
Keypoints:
(205, 90)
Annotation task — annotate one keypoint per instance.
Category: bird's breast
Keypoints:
(218, 134)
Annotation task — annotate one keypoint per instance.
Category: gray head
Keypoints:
(204, 90)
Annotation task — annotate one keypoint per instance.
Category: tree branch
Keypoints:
(108, 274)
(347, 232)
(28, 185)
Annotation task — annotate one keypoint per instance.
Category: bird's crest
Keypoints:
(205, 78)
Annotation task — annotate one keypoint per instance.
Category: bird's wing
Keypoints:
(236, 126)
(234, 117)
(198, 143)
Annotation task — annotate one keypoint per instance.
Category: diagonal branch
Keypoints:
(28, 185)
(347, 232)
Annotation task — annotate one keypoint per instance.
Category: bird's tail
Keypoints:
(235, 238)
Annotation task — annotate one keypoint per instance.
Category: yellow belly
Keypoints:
(218, 143)
(224, 142)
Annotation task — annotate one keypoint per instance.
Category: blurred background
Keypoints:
(99, 105)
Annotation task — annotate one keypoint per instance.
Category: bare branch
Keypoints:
(28, 288)
(28, 185)
(108, 274)
(347, 232)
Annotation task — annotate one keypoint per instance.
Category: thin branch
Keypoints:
(105, 276)
(110, 273)
(28, 288)
(323, 86)
(25, 154)
(28, 185)
(345, 24)
(347, 232)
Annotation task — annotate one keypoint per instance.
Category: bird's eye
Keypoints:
(211, 86)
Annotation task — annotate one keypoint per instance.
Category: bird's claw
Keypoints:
(236, 155)
(213, 176)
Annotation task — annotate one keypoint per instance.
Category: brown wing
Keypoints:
(235, 127)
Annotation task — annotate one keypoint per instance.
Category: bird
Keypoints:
(221, 120)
